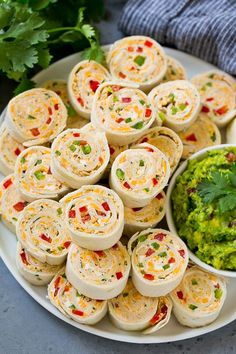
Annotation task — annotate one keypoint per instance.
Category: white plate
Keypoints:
(173, 331)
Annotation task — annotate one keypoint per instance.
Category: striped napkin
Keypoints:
(204, 28)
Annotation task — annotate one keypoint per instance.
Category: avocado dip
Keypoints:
(204, 207)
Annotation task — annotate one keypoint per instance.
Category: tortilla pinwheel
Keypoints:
(198, 299)
(73, 304)
(159, 260)
(98, 274)
(201, 134)
(122, 111)
(94, 216)
(42, 232)
(9, 150)
(60, 87)
(34, 177)
(132, 311)
(137, 59)
(138, 219)
(218, 95)
(167, 141)
(36, 116)
(139, 174)
(177, 103)
(11, 202)
(34, 271)
(84, 81)
(79, 157)
(175, 70)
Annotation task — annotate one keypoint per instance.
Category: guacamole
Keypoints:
(208, 232)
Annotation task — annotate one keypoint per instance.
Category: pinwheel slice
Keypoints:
(11, 202)
(175, 70)
(79, 157)
(9, 150)
(73, 304)
(198, 299)
(60, 87)
(159, 260)
(98, 274)
(138, 219)
(137, 59)
(36, 116)
(165, 140)
(218, 95)
(122, 111)
(94, 216)
(84, 81)
(42, 232)
(34, 271)
(132, 311)
(177, 103)
(139, 174)
(34, 177)
(231, 132)
(201, 134)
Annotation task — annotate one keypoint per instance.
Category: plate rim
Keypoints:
(127, 336)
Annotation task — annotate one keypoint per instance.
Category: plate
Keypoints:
(173, 331)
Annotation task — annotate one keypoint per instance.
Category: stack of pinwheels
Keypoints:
(86, 162)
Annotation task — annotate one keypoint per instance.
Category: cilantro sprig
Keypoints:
(32, 32)
(220, 188)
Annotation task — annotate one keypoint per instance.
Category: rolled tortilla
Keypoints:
(175, 70)
(98, 274)
(79, 157)
(34, 271)
(9, 150)
(159, 260)
(36, 116)
(165, 140)
(137, 59)
(34, 177)
(72, 304)
(177, 103)
(199, 298)
(74, 120)
(201, 134)
(42, 232)
(122, 111)
(11, 202)
(218, 95)
(231, 132)
(84, 80)
(131, 311)
(94, 216)
(138, 219)
(139, 174)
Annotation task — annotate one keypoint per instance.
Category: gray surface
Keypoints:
(27, 328)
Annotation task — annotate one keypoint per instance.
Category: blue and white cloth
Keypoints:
(204, 28)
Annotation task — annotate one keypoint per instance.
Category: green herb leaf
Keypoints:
(218, 294)
(192, 307)
(220, 188)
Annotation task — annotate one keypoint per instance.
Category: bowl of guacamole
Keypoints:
(201, 208)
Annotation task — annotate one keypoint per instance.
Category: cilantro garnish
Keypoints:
(220, 188)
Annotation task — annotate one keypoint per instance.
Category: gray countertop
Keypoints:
(27, 328)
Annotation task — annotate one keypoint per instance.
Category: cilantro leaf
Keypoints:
(220, 188)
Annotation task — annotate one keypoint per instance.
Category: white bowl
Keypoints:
(170, 221)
